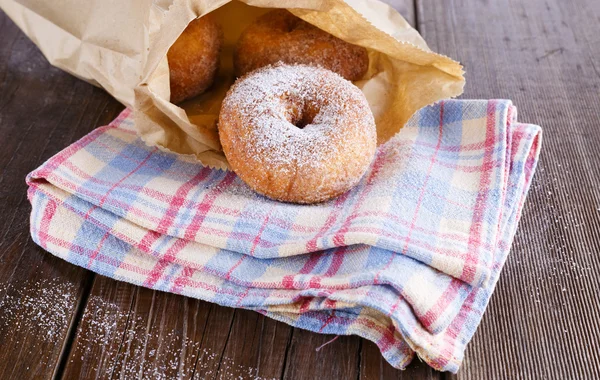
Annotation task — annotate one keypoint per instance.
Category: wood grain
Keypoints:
(336, 360)
(42, 110)
(128, 331)
(544, 318)
(374, 367)
(256, 347)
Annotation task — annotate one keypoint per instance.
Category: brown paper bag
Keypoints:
(122, 45)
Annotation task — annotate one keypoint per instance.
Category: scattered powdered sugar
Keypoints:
(127, 345)
(563, 266)
(41, 308)
(34, 320)
(298, 121)
(237, 188)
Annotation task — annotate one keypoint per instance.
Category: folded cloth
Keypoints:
(408, 259)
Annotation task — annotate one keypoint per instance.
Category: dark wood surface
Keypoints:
(544, 318)
(57, 320)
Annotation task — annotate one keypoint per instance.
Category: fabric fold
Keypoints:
(407, 259)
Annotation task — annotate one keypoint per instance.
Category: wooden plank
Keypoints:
(545, 55)
(374, 367)
(336, 360)
(129, 332)
(256, 347)
(42, 110)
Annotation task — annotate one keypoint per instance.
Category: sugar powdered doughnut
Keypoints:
(194, 58)
(297, 133)
(280, 36)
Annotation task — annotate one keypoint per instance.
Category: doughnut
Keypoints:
(280, 36)
(297, 133)
(194, 58)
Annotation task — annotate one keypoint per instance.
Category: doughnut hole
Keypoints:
(299, 113)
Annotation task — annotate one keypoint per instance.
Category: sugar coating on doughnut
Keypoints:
(297, 133)
(279, 36)
(194, 58)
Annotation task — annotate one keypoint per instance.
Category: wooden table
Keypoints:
(58, 320)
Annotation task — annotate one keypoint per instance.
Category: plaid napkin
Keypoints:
(408, 259)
